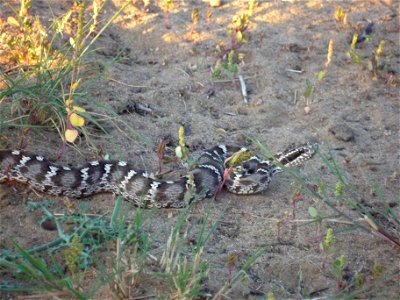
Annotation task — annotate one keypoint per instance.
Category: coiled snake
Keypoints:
(120, 177)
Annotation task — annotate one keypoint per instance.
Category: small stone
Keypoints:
(215, 3)
(242, 110)
(342, 132)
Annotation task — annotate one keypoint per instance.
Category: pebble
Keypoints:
(342, 132)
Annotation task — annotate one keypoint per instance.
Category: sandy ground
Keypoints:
(169, 72)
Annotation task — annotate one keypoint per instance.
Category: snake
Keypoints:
(212, 171)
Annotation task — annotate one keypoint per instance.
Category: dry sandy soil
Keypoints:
(169, 72)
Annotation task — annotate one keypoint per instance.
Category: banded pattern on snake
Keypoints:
(120, 177)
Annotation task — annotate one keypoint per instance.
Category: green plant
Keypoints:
(352, 52)
(375, 64)
(230, 64)
(217, 70)
(237, 30)
(341, 194)
(46, 66)
(182, 152)
(241, 274)
(327, 246)
(227, 67)
(338, 267)
(341, 18)
(80, 247)
(186, 273)
(310, 86)
(36, 272)
(72, 254)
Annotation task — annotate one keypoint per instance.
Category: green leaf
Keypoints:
(339, 263)
(313, 212)
(117, 213)
(309, 89)
(232, 68)
(321, 75)
(36, 263)
(370, 66)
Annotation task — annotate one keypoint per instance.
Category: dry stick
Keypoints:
(234, 79)
(244, 89)
(295, 71)
(126, 84)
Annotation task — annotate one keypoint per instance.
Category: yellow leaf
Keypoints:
(76, 120)
(182, 152)
(181, 134)
(68, 102)
(78, 108)
(354, 41)
(71, 135)
(72, 42)
(178, 152)
(270, 296)
(330, 53)
(239, 157)
(13, 21)
(75, 84)
(321, 75)
(239, 36)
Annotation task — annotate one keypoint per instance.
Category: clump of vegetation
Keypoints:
(72, 255)
(341, 18)
(182, 152)
(227, 68)
(237, 30)
(339, 196)
(311, 86)
(352, 53)
(374, 63)
(226, 65)
(120, 251)
(43, 79)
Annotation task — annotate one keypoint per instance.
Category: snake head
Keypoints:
(294, 156)
(251, 177)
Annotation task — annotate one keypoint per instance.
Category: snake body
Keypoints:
(121, 177)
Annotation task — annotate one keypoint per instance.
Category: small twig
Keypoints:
(184, 72)
(325, 220)
(230, 113)
(234, 79)
(126, 84)
(199, 83)
(244, 89)
(295, 71)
